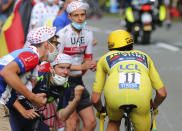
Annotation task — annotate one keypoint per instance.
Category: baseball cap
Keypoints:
(62, 58)
(40, 34)
(76, 5)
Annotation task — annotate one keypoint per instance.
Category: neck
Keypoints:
(78, 31)
(41, 54)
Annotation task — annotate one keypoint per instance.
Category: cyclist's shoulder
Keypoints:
(64, 31)
(141, 52)
(103, 58)
(86, 29)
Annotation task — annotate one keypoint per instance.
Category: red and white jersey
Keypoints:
(77, 46)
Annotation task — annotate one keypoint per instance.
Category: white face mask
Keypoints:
(52, 56)
(59, 80)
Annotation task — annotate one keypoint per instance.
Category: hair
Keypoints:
(125, 48)
(51, 39)
(38, 44)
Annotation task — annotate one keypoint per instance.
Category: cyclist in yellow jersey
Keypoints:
(127, 76)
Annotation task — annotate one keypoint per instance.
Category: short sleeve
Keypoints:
(27, 61)
(154, 76)
(100, 76)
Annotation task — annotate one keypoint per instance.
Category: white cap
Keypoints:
(76, 5)
(61, 58)
(41, 34)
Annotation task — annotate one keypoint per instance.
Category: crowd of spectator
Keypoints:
(98, 7)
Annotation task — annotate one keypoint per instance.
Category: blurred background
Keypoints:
(162, 22)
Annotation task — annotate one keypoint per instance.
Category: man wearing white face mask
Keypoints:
(56, 87)
(18, 62)
(76, 40)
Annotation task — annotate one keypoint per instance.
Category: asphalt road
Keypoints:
(166, 52)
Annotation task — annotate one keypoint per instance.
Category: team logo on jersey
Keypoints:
(115, 58)
(79, 40)
(129, 67)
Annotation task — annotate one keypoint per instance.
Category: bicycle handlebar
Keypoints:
(155, 112)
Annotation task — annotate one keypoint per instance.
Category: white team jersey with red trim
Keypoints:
(77, 46)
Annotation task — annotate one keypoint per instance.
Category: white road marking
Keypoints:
(108, 31)
(167, 46)
(160, 44)
(95, 29)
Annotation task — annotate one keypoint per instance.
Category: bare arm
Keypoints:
(64, 114)
(28, 114)
(10, 74)
(96, 100)
(88, 64)
(160, 96)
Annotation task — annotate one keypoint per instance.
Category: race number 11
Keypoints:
(129, 80)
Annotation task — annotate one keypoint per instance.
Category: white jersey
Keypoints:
(42, 13)
(77, 46)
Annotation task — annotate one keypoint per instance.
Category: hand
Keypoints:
(94, 65)
(39, 100)
(155, 112)
(95, 42)
(88, 64)
(78, 92)
(30, 114)
(101, 113)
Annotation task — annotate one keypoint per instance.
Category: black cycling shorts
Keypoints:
(85, 100)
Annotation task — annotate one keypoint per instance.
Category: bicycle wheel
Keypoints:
(128, 125)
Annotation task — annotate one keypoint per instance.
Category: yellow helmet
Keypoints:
(119, 38)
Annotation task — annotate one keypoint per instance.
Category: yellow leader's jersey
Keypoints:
(131, 75)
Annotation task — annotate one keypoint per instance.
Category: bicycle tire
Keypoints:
(128, 125)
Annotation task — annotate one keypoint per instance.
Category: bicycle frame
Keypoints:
(128, 124)
(154, 128)
(127, 109)
(101, 117)
(154, 124)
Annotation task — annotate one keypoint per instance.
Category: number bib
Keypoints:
(129, 80)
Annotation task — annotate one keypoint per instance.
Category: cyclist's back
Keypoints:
(131, 77)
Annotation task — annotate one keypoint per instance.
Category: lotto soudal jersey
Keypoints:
(27, 60)
(78, 46)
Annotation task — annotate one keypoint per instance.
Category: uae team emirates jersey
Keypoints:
(78, 46)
